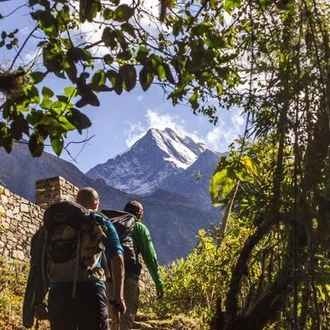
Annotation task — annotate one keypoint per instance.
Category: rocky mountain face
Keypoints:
(159, 170)
(146, 165)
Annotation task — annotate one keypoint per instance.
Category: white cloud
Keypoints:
(178, 124)
(134, 132)
(218, 138)
(222, 135)
(153, 119)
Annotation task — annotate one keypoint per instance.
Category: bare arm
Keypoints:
(118, 276)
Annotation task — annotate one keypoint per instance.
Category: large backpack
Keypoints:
(124, 224)
(74, 243)
(69, 247)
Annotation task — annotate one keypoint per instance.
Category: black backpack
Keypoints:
(124, 224)
(74, 243)
(69, 246)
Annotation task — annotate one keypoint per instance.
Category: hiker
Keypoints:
(143, 246)
(94, 314)
(81, 304)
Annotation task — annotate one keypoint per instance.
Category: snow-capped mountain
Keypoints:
(153, 158)
(161, 162)
(193, 183)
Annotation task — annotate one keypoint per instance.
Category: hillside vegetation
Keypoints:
(197, 287)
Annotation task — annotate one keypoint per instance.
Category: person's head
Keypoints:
(135, 208)
(89, 198)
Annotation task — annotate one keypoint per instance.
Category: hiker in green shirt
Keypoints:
(143, 246)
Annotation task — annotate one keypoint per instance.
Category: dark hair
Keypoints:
(135, 208)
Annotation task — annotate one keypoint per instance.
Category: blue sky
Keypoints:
(122, 120)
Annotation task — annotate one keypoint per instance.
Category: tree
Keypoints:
(284, 262)
(269, 58)
(181, 57)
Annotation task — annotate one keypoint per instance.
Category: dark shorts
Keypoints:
(87, 311)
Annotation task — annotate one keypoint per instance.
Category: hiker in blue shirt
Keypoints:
(88, 310)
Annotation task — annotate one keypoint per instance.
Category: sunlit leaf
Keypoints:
(249, 165)
(57, 144)
(221, 185)
(70, 91)
(232, 4)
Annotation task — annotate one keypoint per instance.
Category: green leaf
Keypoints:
(123, 13)
(70, 91)
(88, 98)
(219, 88)
(37, 76)
(107, 13)
(32, 93)
(116, 81)
(221, 185)
(57, 144)
(128, 75)
(249, 165)
(142, 55)
(89, 9)
(46, 103)
(118, 87)
(146, 77)
(76, 54)
(109, 38)
(71, 71)
(108, 59)
(193, 100)
(63, 99)
(168, 73)
(36, 145)
(16, 131)
(99, 78)
(129, 28)
(231, 4)
(47, 92)
(79, 120)
(112, 76)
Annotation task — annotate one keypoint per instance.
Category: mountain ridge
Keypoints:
(174, 212)
(148, 162)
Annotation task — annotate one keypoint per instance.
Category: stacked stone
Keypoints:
(53, 190)
(20, 219)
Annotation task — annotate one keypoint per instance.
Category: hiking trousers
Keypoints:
(131, 296)
(88, 310)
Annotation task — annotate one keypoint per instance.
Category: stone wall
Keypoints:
(20, 219)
